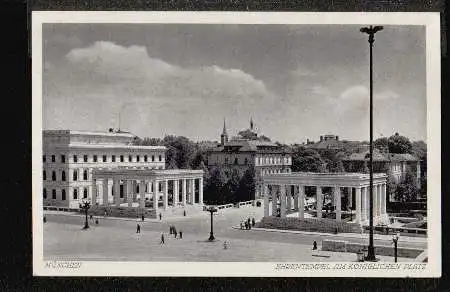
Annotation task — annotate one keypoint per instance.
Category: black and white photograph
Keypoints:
(236, 144)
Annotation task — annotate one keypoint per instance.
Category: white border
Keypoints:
(430, 20)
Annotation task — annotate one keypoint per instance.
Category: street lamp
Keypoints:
(395, 240)
(211, 210)
(85, 205)
(371, 30)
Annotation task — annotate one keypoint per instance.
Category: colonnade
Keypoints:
(291, 197)
(105, 188)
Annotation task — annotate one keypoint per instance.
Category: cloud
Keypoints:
(360, 92)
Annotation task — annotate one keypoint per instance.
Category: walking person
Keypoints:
(315, 245)
(160, 216)
(175, 233)
(170, 229)
(138, 228)
(248, 221)
(253, 221)
(162, 239)
(246, 225)
(104, 214)
(45, 219)
(142, 217)
(242, 225)
(181, 234)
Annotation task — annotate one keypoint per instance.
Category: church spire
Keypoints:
(224, 131)
(251, 123)
(224, 136)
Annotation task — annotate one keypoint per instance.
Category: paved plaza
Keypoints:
(117, 240)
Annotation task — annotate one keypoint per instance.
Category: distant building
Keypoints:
(69, 158)
(395, 165)
(248, 150)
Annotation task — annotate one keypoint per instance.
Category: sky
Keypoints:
(297, 82)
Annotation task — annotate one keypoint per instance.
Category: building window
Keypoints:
(235, 160)
(75, 175)
(53, 158)
(63, 176)
(104, 158)
(130, 158)
(85, 158)
(44, 175)
(44, 159)
(45, 193)
(95, 158)
(75, 194)
(121, 158)
(153, 158)
(85, 175)
(160, 158)
(113, 158)
(63, 158)
(145, 158)
(54, 194)
(63, 195)
(53, 175)
(137, 158)
(85, 191)
(75, 158)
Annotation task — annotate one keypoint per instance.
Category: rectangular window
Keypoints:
(95, 158)
(63, 158)
(121, 158)
(137, 158)
(54, 194)
(160, 158)
(104, 158)
(44, 158)
(145, 158)
(113, 158)
(85, 158)
(75, 158)
(130, 158)
(53, 158)
(153, 158)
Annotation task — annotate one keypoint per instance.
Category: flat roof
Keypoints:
(113, 146)
(147, 173)
(87, 133)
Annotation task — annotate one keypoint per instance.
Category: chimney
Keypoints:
(321, 138)
(337, 138)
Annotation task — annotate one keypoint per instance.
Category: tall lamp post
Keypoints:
(211, 210)
(85, 206)
(371, 30)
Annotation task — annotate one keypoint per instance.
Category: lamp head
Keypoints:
(377, 28)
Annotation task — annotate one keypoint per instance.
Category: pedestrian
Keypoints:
(175, 233)
(246, 225)
(249, 226)
(142, 217)
(162, 239)
(248, 221)
(242, 225)
(314, 245)
(138, 228)
(181, 234)
(45, 219)
(160, 216)
(253, 221)
(184, 213)
(104, 214)
(91, 217)
(96, 221)
(170, 229)
(225, 245)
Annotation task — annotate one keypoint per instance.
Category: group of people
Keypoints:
(248, 224)
(174, 232)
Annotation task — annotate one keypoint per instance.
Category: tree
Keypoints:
(406, 190)
(215, 183)
(246, 190)
(307, 160)
(182, 148)
(381, 144)
(399, 144)
(232, 186)
(198, 160)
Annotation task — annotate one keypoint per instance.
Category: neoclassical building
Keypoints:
(248, 150)
(106, 168)
(286, 192)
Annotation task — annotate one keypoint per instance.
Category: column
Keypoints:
(142, 194)
(319, 201)
(289, 197)
(176, 192)
(105, 191)
(200, 191)
(166, 194)
(374, 202)
(364, 204)
(265, 194)
(337, 202)
(283, 200)
(378, 199)
(358, 204)
(183, 191)
(110, 188)
(155, 194)
(94, 192)
(301, 200)
(296, 194)
(274, 191)
(191, 199)
(383, 196)
(130, 192)
(350, 197)
(116, 186)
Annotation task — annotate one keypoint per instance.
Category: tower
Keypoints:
(224, 135)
